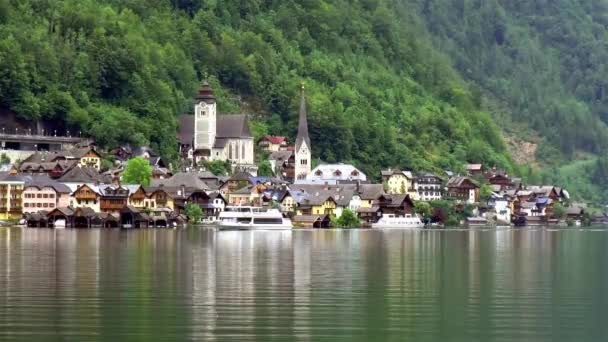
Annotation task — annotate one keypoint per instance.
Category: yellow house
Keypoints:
(159, 198)
(138, 197)
(11, 189)
(399, 182)
(91, 159)
(327, 207)
(369, 193)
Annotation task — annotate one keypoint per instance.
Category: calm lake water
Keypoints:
(204, 285)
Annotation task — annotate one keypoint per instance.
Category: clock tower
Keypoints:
(303, 154)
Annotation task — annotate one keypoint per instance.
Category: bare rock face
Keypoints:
(523, 152)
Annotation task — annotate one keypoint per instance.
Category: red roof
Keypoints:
(276, 139)
(291, 148)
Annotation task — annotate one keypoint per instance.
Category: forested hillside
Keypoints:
(379, 93)
(541, 65)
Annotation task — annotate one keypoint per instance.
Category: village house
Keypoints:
(242, 196)
(41, 193)
(369, 193)
(273, 143)
(499, 180)
(114, 198)
(398, 182)
(283, 164)
(463, 189)
(207, 135)
(237, 182)
(501, 206)
(474, 170)
(429, 187)
(396, 204)
(85, 196)
(11, 189)
(335, 174)
(137, 198)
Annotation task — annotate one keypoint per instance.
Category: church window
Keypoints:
(304, 162)
(338, 173)
(319, 173)
(243, 152)
(229, 151)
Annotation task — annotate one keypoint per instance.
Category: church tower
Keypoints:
(205, 120)
(303, 154)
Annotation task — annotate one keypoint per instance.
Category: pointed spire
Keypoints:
(302, 123)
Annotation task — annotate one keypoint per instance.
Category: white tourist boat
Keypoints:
(393, 221)
(252, 218)
(59, 224)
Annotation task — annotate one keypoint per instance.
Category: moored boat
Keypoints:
(252, 218)
(392, 221)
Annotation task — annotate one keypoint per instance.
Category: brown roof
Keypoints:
(308, 218)
(205, 93)
(80, 175)
(458, 181)
(185, 131)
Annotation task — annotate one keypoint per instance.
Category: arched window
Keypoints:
(230, 151)
(338, 173)
(243, 152)
(319, 173)
(354, 173)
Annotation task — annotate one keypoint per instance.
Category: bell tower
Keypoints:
(205, 118)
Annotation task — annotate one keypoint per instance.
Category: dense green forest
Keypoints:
(541, 68)
(378, 93)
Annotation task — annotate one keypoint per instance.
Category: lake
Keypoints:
(335, 285)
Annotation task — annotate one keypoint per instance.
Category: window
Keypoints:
(38, 205)
(45, 205)
(51, 205)
(38, 195)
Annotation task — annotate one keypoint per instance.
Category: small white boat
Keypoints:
(252, 218)
(59, 224)
(207, 221)
(393, 221)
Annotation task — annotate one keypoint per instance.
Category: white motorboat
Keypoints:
(252, 218)
(59, 224)
(210, 220)
(393, 221)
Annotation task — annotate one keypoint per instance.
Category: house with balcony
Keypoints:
(429, 187)
(11, 189)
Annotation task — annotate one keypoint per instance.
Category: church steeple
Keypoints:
(302, 123)
(303, 154)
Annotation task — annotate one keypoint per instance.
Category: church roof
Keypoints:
(233, 126)
(205, 93)
(185, 131)
(302, 124)
(227, 126)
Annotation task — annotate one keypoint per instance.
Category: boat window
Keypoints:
(267, 220)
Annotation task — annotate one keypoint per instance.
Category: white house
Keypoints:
(335, 173)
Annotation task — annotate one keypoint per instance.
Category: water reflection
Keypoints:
(199, 284)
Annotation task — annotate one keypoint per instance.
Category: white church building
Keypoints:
(209, 135)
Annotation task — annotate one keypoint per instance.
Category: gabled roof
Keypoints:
(9, 177)
(458, 181)
(474, 167)
(43, 181)
(80, 174)
(281, 155)
(370, 191)
(275, 139)
(185, 131)
(240, 176)
(233, 126)
(186, 179)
